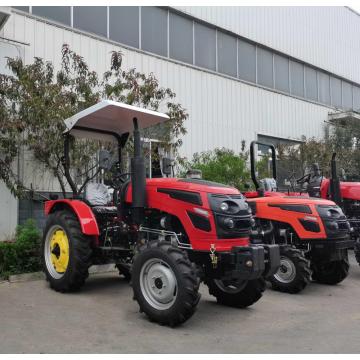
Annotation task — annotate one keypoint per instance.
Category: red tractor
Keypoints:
(345, 194)
(168, 234)
(313, 234)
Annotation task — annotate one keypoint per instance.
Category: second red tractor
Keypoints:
(313, 234)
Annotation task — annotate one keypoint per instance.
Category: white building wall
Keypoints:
(326, 36)
(8, 213)
(222, 111)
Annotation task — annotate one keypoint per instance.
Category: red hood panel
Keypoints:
(350, 190)
(192, 185)
(291, 200)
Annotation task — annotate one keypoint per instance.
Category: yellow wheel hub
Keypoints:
(59, 248)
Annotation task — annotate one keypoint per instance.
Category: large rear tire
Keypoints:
(331, 273)
(357, 251)
(66, 252)
(238, 294)
(165, 283)
(124, 270)
(294, 272)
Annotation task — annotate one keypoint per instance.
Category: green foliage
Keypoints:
(23, 254)
(34, 101)
(263, 168)
(339, 139)
(223, 166)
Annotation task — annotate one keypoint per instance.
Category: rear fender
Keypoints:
(83, 212)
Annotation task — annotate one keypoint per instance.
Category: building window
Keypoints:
(265, 67)
(297, 78)
(91, 18)
(181, 38)
(205, 46)
(281, 68)
(124, 24)
(347, 96)
(154, 30)
(324, 88)
(356, 98)
(247, 61)
(336, 92)
(311, 88)
(61, 14)
(226, 49)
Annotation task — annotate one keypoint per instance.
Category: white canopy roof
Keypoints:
(111, 116)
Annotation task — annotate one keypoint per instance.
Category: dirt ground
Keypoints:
(103, 318)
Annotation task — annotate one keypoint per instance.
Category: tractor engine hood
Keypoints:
(196, 185)
(350, 190)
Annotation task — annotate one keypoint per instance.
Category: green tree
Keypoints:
(341, 138)
(223, 166)
(34, 101)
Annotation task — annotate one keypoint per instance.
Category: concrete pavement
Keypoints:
(102, 318)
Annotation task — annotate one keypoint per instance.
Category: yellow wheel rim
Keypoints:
(59, 249)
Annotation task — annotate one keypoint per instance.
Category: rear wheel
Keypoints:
(357, 251)
(165, 283)
(331, 273)
(66, 252)
(240, 294)
(294, 272)
(124, 270)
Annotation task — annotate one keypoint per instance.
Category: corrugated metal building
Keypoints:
(241, 72)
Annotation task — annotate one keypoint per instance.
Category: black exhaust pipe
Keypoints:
(335, 192)
(138, 179)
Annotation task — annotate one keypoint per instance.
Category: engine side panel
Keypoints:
(275, 209)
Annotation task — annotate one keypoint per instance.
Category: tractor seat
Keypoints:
(97, 194)
(269, 184)
(104, 210)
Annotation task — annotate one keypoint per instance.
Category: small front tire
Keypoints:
(294, 272)
(165, 283)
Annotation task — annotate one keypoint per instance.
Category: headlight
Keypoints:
(328, 213)
(224, 206)
(333, 225)
(228, 222)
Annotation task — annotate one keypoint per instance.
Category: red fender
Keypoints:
(83, 212)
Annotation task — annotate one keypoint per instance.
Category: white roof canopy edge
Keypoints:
(111, 117)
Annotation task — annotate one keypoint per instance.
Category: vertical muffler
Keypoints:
(335, 190)
(138, 178)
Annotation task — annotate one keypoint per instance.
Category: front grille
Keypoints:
(238, 214)
(334, 220)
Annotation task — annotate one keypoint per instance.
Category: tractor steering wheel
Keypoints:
(303, 179)
(119, 179)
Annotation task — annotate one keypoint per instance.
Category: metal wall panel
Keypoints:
(324, 36)
(213, 101)
(8, 213)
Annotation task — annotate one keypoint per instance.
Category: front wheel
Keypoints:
(165, 283)
(240, 294)
(331, 273)
(294, 272)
